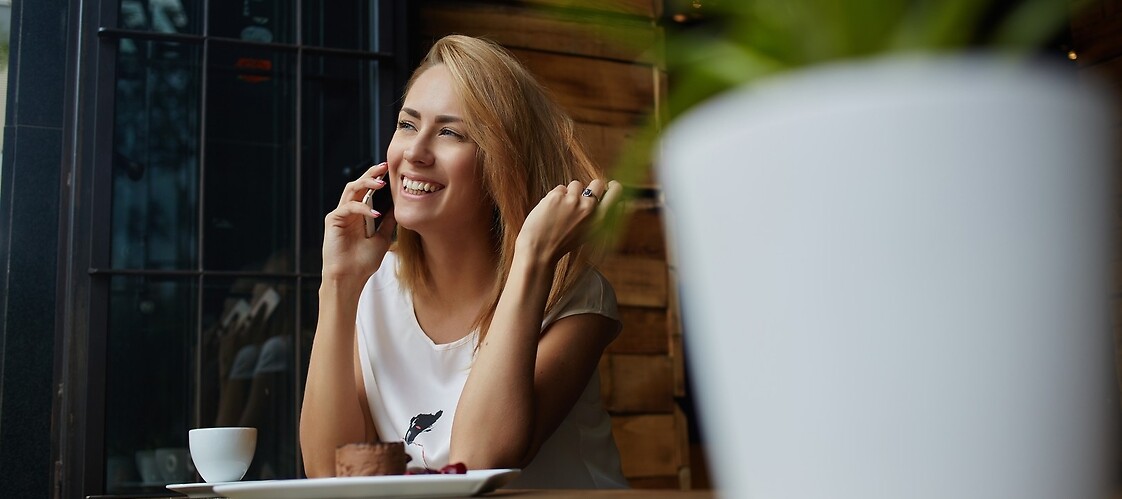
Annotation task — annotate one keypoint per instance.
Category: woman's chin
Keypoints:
(409, 218)
(415, 224)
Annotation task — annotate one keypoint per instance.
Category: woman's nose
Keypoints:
(418, 151)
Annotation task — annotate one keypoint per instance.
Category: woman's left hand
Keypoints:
(565, 217)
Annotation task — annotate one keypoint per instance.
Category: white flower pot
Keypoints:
(894, 279)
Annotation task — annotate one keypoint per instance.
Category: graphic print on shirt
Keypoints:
(421, 423)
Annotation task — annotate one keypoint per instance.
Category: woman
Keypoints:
(477, 338)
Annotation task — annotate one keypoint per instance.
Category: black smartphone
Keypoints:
(379, 200)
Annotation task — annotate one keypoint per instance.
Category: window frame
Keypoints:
(78, 440)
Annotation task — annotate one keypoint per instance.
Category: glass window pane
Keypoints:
(164, 16)
(265, 21)
(250, 156)
(155, 156)
(149, 382)
(247, 366)
(339, 139)
(205, 178)
(345, 24)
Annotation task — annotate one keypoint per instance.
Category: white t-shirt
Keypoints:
(413, 386)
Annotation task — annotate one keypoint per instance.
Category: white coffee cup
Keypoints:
(222, 454)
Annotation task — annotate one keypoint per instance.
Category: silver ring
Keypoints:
(588, 194)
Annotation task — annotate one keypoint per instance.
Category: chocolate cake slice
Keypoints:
(371, 459)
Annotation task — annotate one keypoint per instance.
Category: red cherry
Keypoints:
(454, 469)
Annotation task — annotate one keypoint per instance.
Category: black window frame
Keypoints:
(82, 289)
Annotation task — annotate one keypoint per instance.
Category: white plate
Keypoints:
(369, 487)
(196, 489)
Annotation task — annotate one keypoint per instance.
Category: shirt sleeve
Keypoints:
(591, 294)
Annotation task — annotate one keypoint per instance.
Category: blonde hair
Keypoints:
(526, 147)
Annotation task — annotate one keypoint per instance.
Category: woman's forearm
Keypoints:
(331, 414)
(495, 418)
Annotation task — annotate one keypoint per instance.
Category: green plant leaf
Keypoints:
(935, 25)
(708, 66)
(1031, 24)
(740, 41)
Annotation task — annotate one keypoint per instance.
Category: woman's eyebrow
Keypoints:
(443, 118)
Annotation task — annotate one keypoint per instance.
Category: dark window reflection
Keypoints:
(149, 394)
(250, 156)
(339, 137)
(215, 171)
(155, 160)
(164, 16)
(345, 24)
(264, 21)
(248, 372)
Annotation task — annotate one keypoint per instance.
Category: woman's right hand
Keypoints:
(347, 252)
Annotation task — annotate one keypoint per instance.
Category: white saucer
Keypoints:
(197, 489)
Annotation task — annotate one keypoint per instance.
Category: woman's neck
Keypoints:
(461, 269)
(461, 280)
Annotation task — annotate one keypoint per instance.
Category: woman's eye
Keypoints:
(453, 133)
(404, 125)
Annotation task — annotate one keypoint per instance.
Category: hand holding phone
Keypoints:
(379, 200)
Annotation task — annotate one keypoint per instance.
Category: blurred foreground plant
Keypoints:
(743, 40)
(740, 41)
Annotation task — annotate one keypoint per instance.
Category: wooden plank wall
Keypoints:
(592, 54)
(1096, 33)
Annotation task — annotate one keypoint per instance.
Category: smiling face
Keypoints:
(432, 162)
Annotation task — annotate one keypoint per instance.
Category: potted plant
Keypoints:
(890, 224)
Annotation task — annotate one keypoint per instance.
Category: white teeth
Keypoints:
(416, 186)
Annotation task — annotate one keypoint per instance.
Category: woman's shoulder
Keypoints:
(593, 282)
(385, 277)
(590, 293)
(383, 296)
